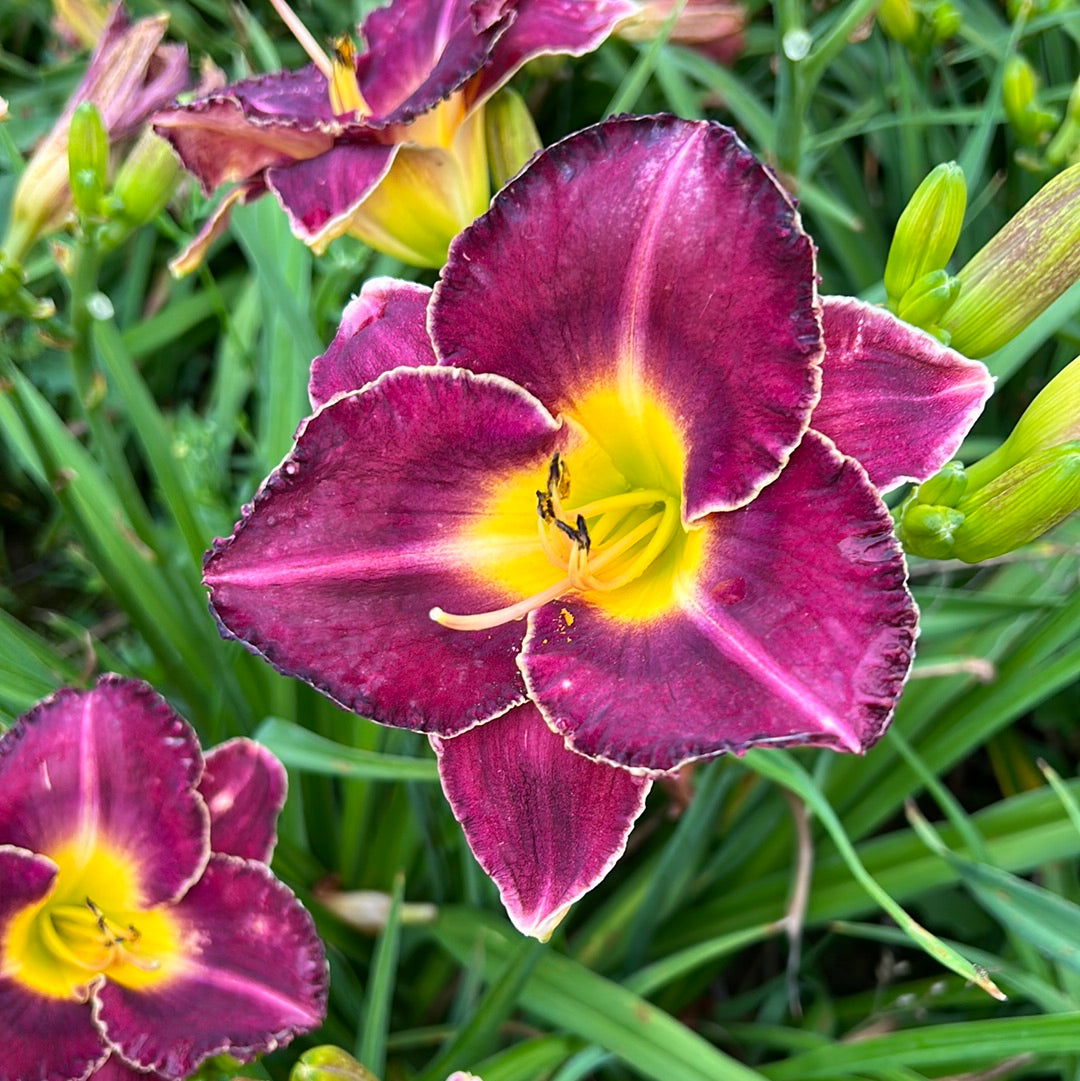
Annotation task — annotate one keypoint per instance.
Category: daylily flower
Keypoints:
(386, 144)
(130, 74)
(140, 927)
(605, 518)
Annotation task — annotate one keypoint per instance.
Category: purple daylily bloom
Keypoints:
(590, 510)
(141, 930)
(389, 145)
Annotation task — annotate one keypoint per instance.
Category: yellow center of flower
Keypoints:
(91, 924)
(605, 521)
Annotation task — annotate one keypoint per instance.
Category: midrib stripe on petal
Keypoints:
(732, 641)
(89, 803)
(251, 991)
(358, 566)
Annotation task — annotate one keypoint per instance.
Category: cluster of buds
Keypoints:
(1012, 496)
(328, 1063)
(130, 74)
(918, 26)
(1006, 285)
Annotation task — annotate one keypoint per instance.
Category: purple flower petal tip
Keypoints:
(382, 328)
(544, 823)
(160, 953)
(893, 396)
(244, 786)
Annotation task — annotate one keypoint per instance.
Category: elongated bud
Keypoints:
(944, 21)
(512, 138)
(1021, 271)
(88, 158)
(1019, 95)
(1052, 418)
(928, 530)
(927, 231)
(1021, 504)
(145, 181)
(928, 299)
(899, 20)
(328, 1063)
(946, 487)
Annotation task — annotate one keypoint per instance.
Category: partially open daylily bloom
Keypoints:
(130, 74)
(592, 510)
(386, 144)
(140, 926)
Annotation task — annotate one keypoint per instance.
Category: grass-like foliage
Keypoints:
(914, 913)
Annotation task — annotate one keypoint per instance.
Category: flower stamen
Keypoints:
(629, 532)
(85, 937)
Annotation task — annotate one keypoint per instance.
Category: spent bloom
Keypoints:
(130, 74)
(605, 502)
(141, 930)
(388, 143)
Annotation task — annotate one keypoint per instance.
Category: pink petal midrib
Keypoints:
(727, 637)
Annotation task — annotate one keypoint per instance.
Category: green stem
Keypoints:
(82, 286)
(791, 95)
(832, 42)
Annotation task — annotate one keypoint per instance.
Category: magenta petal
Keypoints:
(653, 254)
(544, 823)
(798, 630)
(382, 328)
(892, 396)
(346, 548)
(115, 1069)
(116, 764)
(46, 1039)
(255, 975)
(420, 51)
(244, 786)
(546, 27)
(235, 132)
(319, 193)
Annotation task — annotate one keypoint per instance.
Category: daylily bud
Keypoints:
(928, 299)
(368, 910)
(946, 487)
(1065, 145)
(1052, 418)
(1030, 123)
(512, 138)
(944, 21)
(927, 231)
(146, 180)
(88, 158)
(327, 1063)
(899, 21)
(1020, 271)
(81, 21)
(1019, 505)
(927, 530)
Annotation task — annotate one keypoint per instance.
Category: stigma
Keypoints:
(599, 546)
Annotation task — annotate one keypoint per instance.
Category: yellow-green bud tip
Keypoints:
(512, 138)
(327, 1063)
(88, 158)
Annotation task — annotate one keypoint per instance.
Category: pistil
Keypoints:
(339, 72)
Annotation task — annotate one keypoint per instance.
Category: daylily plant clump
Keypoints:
(605, 502)
(141, 930)
(387, 143)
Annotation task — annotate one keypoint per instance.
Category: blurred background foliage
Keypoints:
(757, 928)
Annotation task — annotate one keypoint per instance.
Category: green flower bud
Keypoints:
(1030, 123)
(512, 138)
(944, 21)
(1052, 418)
(328, 1063)
(927, 231)
(899, 21)
(928, 299)
(145, 181)
(945, 488)
(1019, 505)
(927, 530)
(88, 158)
(1020, 271)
